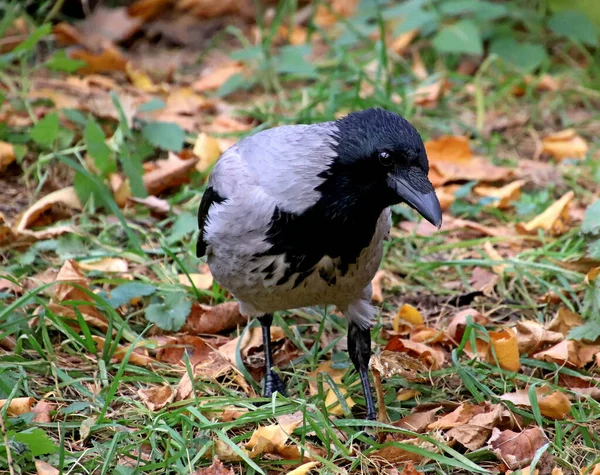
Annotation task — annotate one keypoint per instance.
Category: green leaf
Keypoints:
(461, 37)
(37, 441)
(33, 39)
(44, 133)
(594, 250)
(59, 61)
(417, 19)
(84, 188)
(292, 60)
(132, 166)
(164, 135)
(590, 331)
(186, 223)
(575, 26)
(591, 219)
(95, 141)
(124, 293)
(74, 116)
(152, 105)
(171, 313)
(235, 83)
(524, 56)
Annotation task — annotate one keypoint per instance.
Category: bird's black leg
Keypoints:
(359, 348)
(272, 381)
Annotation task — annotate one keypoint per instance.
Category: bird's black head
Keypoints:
(381, 160)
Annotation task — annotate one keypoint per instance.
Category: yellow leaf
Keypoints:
(106, 264)
(401, 42)
(565, 144)
(140, 79)
(207, 150)
(506, 347)
(407, 314)
(18, 405)
(495, 256)
(44, 468)
(201, 281)
(504, 195)
(7, 154)
(552, 404)
(304, 468)
(553, 220)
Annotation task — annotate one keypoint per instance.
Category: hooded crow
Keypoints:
(296, 216)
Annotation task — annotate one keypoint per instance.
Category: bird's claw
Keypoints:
(272, 384)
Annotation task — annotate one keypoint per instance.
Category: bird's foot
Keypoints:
(273, 383)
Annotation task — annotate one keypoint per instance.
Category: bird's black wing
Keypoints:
(209, 197)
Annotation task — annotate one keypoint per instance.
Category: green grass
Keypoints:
(101, 426)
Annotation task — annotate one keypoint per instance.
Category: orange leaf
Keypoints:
(7, 154)
(407, 316)
(108, 59)
(565, 144)
(554, 405)
(553, 220)
(218, 77)
(504, 195)
(18, 405)
(506, 347)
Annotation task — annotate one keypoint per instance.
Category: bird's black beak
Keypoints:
(415, 189)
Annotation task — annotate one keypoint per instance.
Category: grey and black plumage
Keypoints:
(296, 216)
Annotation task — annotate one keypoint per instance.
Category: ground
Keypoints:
(120, 354)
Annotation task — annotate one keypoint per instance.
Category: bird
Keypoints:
(296, 216)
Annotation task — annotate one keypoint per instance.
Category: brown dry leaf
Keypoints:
(108, 25)
(428, 94)
(213, 320)
(554, 220)
(168, 173)
(108, 59)
(483, 280)
(200, 281)
(328, 14)
(272, 439)
(393, 363)
(42, 412)
(584, 386)
(147, 9)
(216, 78)
(418, 421)
(517, 449)
(177, 348)
(407, 318)
(446, 196)
(18, 405)
(394, 454)
(70, 274)
(423, 334)
(434, 359)
(400, 43)
(136, 358)
(460, 416)
(43, 468)
(533, 337)
(449, 148)
(252, 340)
(106, 264)
(505, 345)
(564, 321)
(458, 324)
(304, 469)
(563, 353)
(554, 405)
(212, 9)
(207, 150)
(331, 399)
(157, 397)
(217, 468)
(7, 154)
(475, 433)
(495, 256)
(595, 470)
(592, 275)
(48, 208)
(407, 394)
(565, 144)
(225, 452)
(504, 196)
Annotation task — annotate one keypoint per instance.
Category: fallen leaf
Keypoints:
(517, 449)
(252, 340)
(393, 363)
(216, 78)
(18, 405)
(44, 468)
(396, 454)
(564, 321)
(563, 353)
(207, 150)
(553, 220)
(417, 421)
(147, 9)
(106, 264)
(168, 173)
(565, 144)
(483, 280)
(7, 154)
(224, 452)
(504, 197)
(506, 349)
(108, 59)
(139, 79)
(449, 148)
(377, 285)
(304, 469)
(272, 439)
(552, 404)
(156, 397)
(135, 358)
(458, 324)
(212, 320)
(331, 399)
(401, 42)
(593, 470)
(42, 412)
(533, 337)
(217, 468)
(406, 318)
(407, 394)
(423, 334)
(434, 359)
(428, 95)
(49, 207)
(584, 386)
(494, 255)
(177, 348)
(200, 281)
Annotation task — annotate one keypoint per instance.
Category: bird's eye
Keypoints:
(385, 159)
